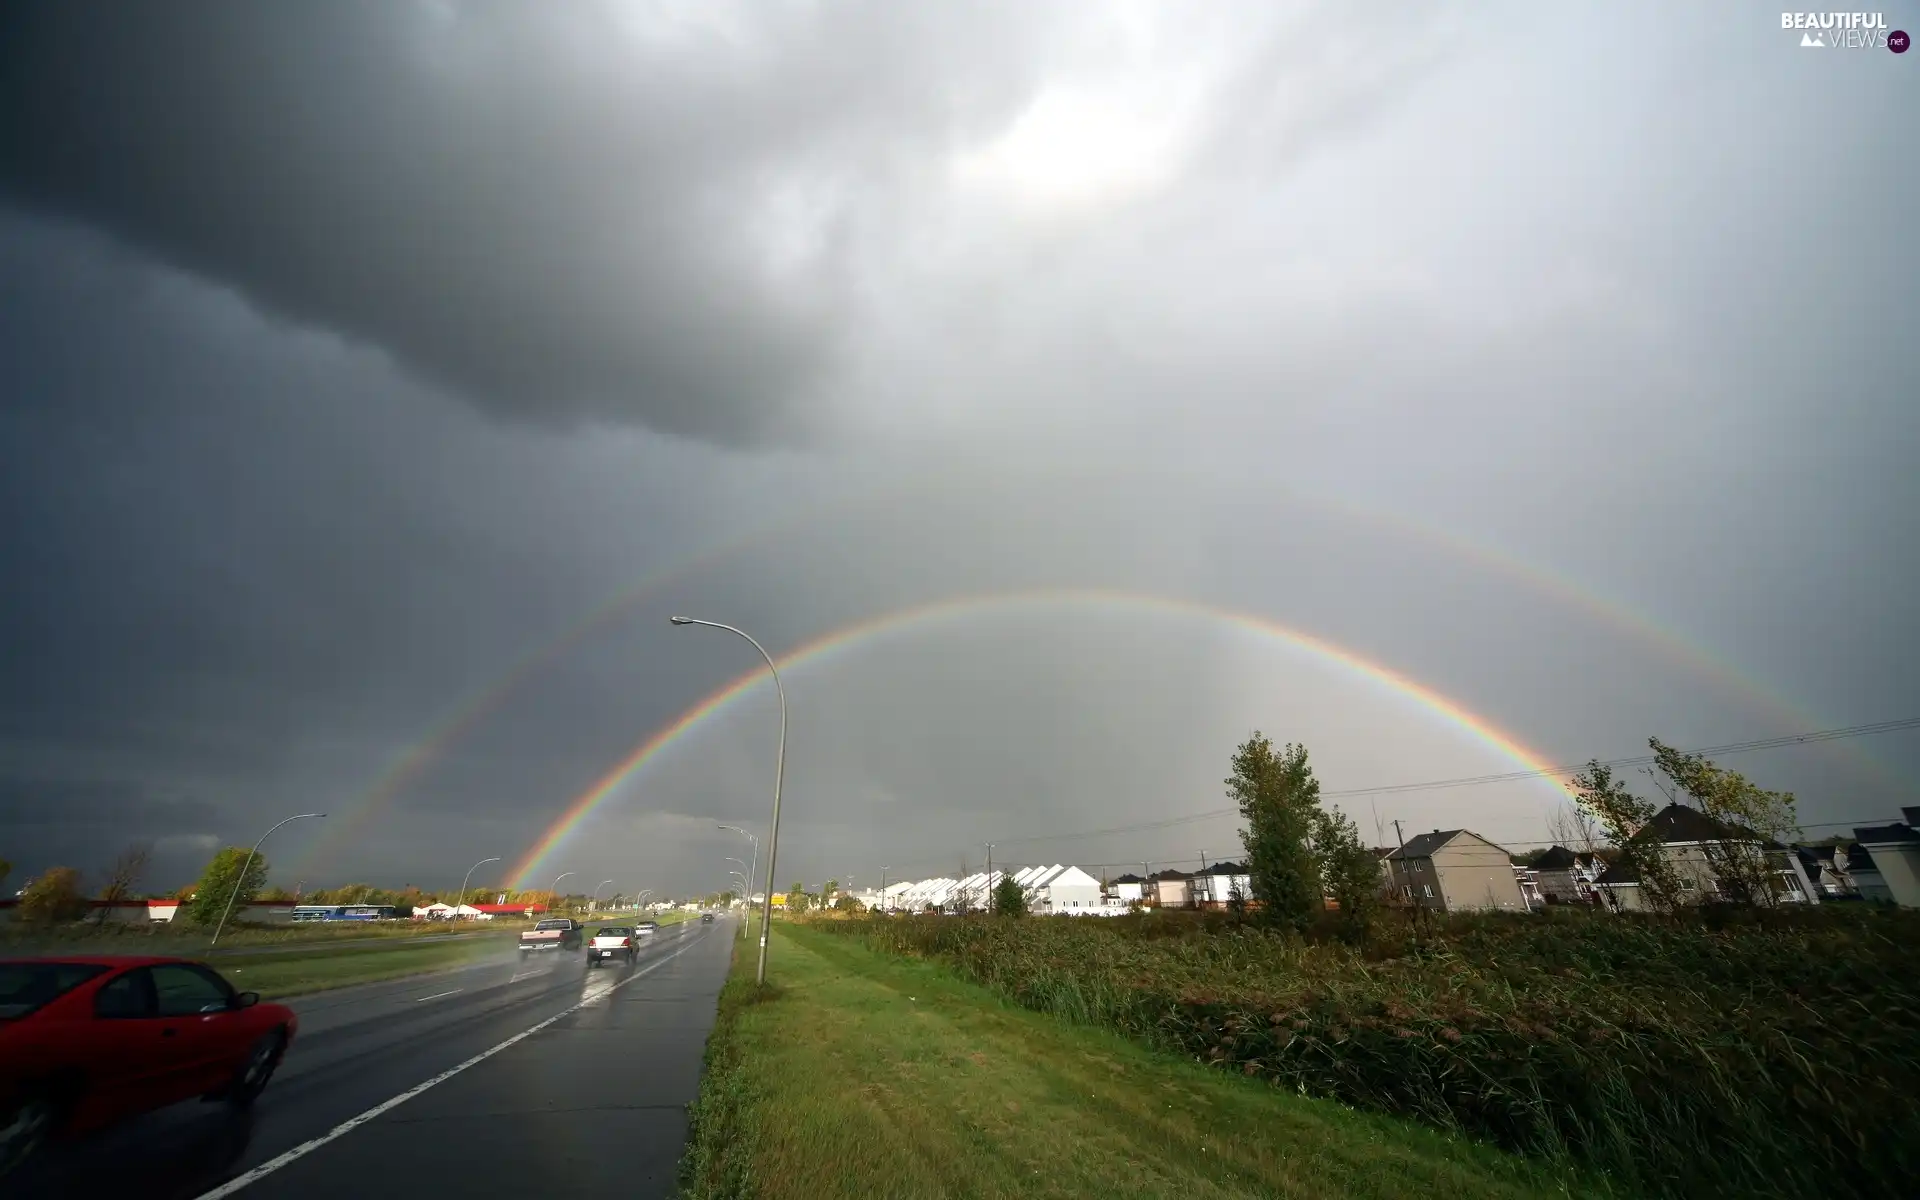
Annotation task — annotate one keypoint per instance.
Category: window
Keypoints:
(1426, 889)
(25, 986)
(183, 990)
(131, 995)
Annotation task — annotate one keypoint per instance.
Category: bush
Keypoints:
(1774, 1057)
(54, 896)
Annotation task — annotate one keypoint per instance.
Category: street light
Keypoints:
(639, 899)
(242, 881)
(779, 777)
(751, 872)
(596, 894)
(553, 893)
(460, 900)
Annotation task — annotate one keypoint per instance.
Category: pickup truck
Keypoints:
(557, 933)
(611, 941)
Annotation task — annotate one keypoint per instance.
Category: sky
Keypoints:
(1061, 392)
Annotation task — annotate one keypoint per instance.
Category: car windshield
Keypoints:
(26, 986)
(554, 925)
(614, 931)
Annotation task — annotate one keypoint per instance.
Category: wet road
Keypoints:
(531, 1075)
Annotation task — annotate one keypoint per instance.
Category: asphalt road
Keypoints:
(522, 1075)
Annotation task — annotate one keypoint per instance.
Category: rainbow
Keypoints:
(848, 636)
(414, 760)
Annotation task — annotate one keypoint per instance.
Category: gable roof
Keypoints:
(1619, 873)
(1678, 823)
(1225, 868)
(1171, 876)
(1423, 845)
(1129, 878)
(1559, 858)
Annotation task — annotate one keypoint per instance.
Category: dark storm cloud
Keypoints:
(557, 213)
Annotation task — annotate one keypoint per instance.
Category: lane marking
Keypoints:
(352, 1123)
(437, 995)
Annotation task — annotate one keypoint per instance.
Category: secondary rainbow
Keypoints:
(609, 783)
(414, 760)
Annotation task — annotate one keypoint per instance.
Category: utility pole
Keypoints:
(1402, 838)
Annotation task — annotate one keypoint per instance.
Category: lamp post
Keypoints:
(751, 872)
(779, 777)
(460, 901)
(596, 894)
(242, 881)
(553, 893)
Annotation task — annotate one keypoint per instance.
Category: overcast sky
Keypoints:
(1555, 359)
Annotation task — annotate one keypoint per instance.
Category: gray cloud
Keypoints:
(353, 353)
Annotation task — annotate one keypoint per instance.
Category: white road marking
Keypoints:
(436, 995)
(352, 1123)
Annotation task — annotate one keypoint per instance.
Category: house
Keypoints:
(1216, 885)
(1168, 889)
(1684, 835)
(1456, 870)
(1529, 883)
(1566, 877)
(1127, 889)
(1063, 890)
(1892, 854)
(1830, 870)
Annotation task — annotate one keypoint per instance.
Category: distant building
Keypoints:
(1216, 885)
(1456, 870)
(1684, 835)
(1892, 854)
(1127, 889)
(1169, 889)
(1566, 877)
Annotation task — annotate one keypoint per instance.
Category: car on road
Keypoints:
(706, 918)
(647, 928)
(612, 941)
(86, 1042)
(554, 933)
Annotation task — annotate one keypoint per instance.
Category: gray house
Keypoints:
(1456, 870)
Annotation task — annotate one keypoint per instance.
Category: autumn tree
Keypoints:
(233, 876)
(1746, 814)
(53, 896)
(1622, 815)
(124, 875)
(1280, 798)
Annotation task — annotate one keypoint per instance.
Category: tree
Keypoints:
(1236, 898)
(797, 898)
(1008, 899)
(1622, 815)
(229, 880)
(832, 886)
(1348, 868)
(1279, 797)
(52, 897)
(1745, 813)
(6, 869)
(1575, 828)
(125, 873)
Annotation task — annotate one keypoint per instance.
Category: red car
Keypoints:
(87, 1041)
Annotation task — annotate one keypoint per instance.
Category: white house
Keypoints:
(1213, 887)
(1127, 889)
(1063, 890)
(1890, 869)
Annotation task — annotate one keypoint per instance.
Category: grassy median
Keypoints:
(863, 1074)
(277, 976)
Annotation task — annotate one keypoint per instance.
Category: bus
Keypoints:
(343, 912)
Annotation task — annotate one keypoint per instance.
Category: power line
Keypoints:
(1825, 735)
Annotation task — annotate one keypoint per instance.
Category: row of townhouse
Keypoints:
(1457, 870)
(1057, 889)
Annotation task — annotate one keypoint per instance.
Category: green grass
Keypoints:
(277, 976)
(862, 1074)
(1719, 1054)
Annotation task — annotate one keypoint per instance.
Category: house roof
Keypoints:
(1678, 823)
(1618, 873)
(1423, 845)
(1881, 835)
(1128, 879)
(1559, 858)
(1859, 860)
(1225, 868)
(1172, 876)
